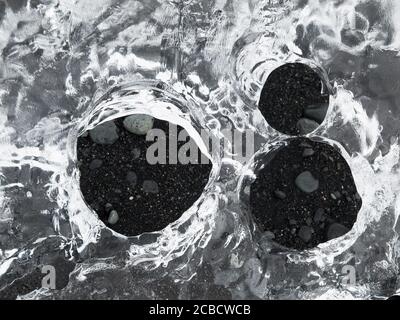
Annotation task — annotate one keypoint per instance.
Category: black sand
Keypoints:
(124, 176)
(287, 94)
(298, 219)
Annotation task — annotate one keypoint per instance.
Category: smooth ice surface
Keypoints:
(67, 66)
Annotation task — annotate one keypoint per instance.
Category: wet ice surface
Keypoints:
(207, 62)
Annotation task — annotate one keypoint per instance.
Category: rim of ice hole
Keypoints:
(162, 102)
(325, 250)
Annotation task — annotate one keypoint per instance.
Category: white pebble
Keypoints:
(113, 217)
(139, 124)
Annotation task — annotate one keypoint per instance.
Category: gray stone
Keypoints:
(136, 153)
(139, 124)
(108, 207)
(131, 177)
(150, 186)
(305, 233)
(308, 152)
(306, 182)
(336, 195)
(336, 230)
(95, 164)
(280, 194)
(269, 235)
(113, 217)
(316, 112)
(106, 133)
(306, 126)
(319, 215)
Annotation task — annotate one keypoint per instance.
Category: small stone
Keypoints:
(280, 194)
(292, 222)
(336, 230)
(131, 177)
(305, 233)
(306, 182)
(317, 112)
(106, 133)
(309, 221)
(319, 215)
(336, 195)
(305, 145)
(136, 153)
(108, 207)
(269, 235)
(95, 164)
(150, 186)
(113, 217)
(308, 152)
(306, 126)
(139, 124)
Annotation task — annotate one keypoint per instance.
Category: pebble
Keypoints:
(136, 153)
(335, 195)
(280, 194)
(108, 207)
(131, 177)
(336, 230)
(106, 133)
(269, 235)
(319, 215)
(113, 217)
(306, 126)
(95, 164)
(138, 124)
(308, 152)
(306, 182)
(317, 112)
(305, 233)
(150, 186)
